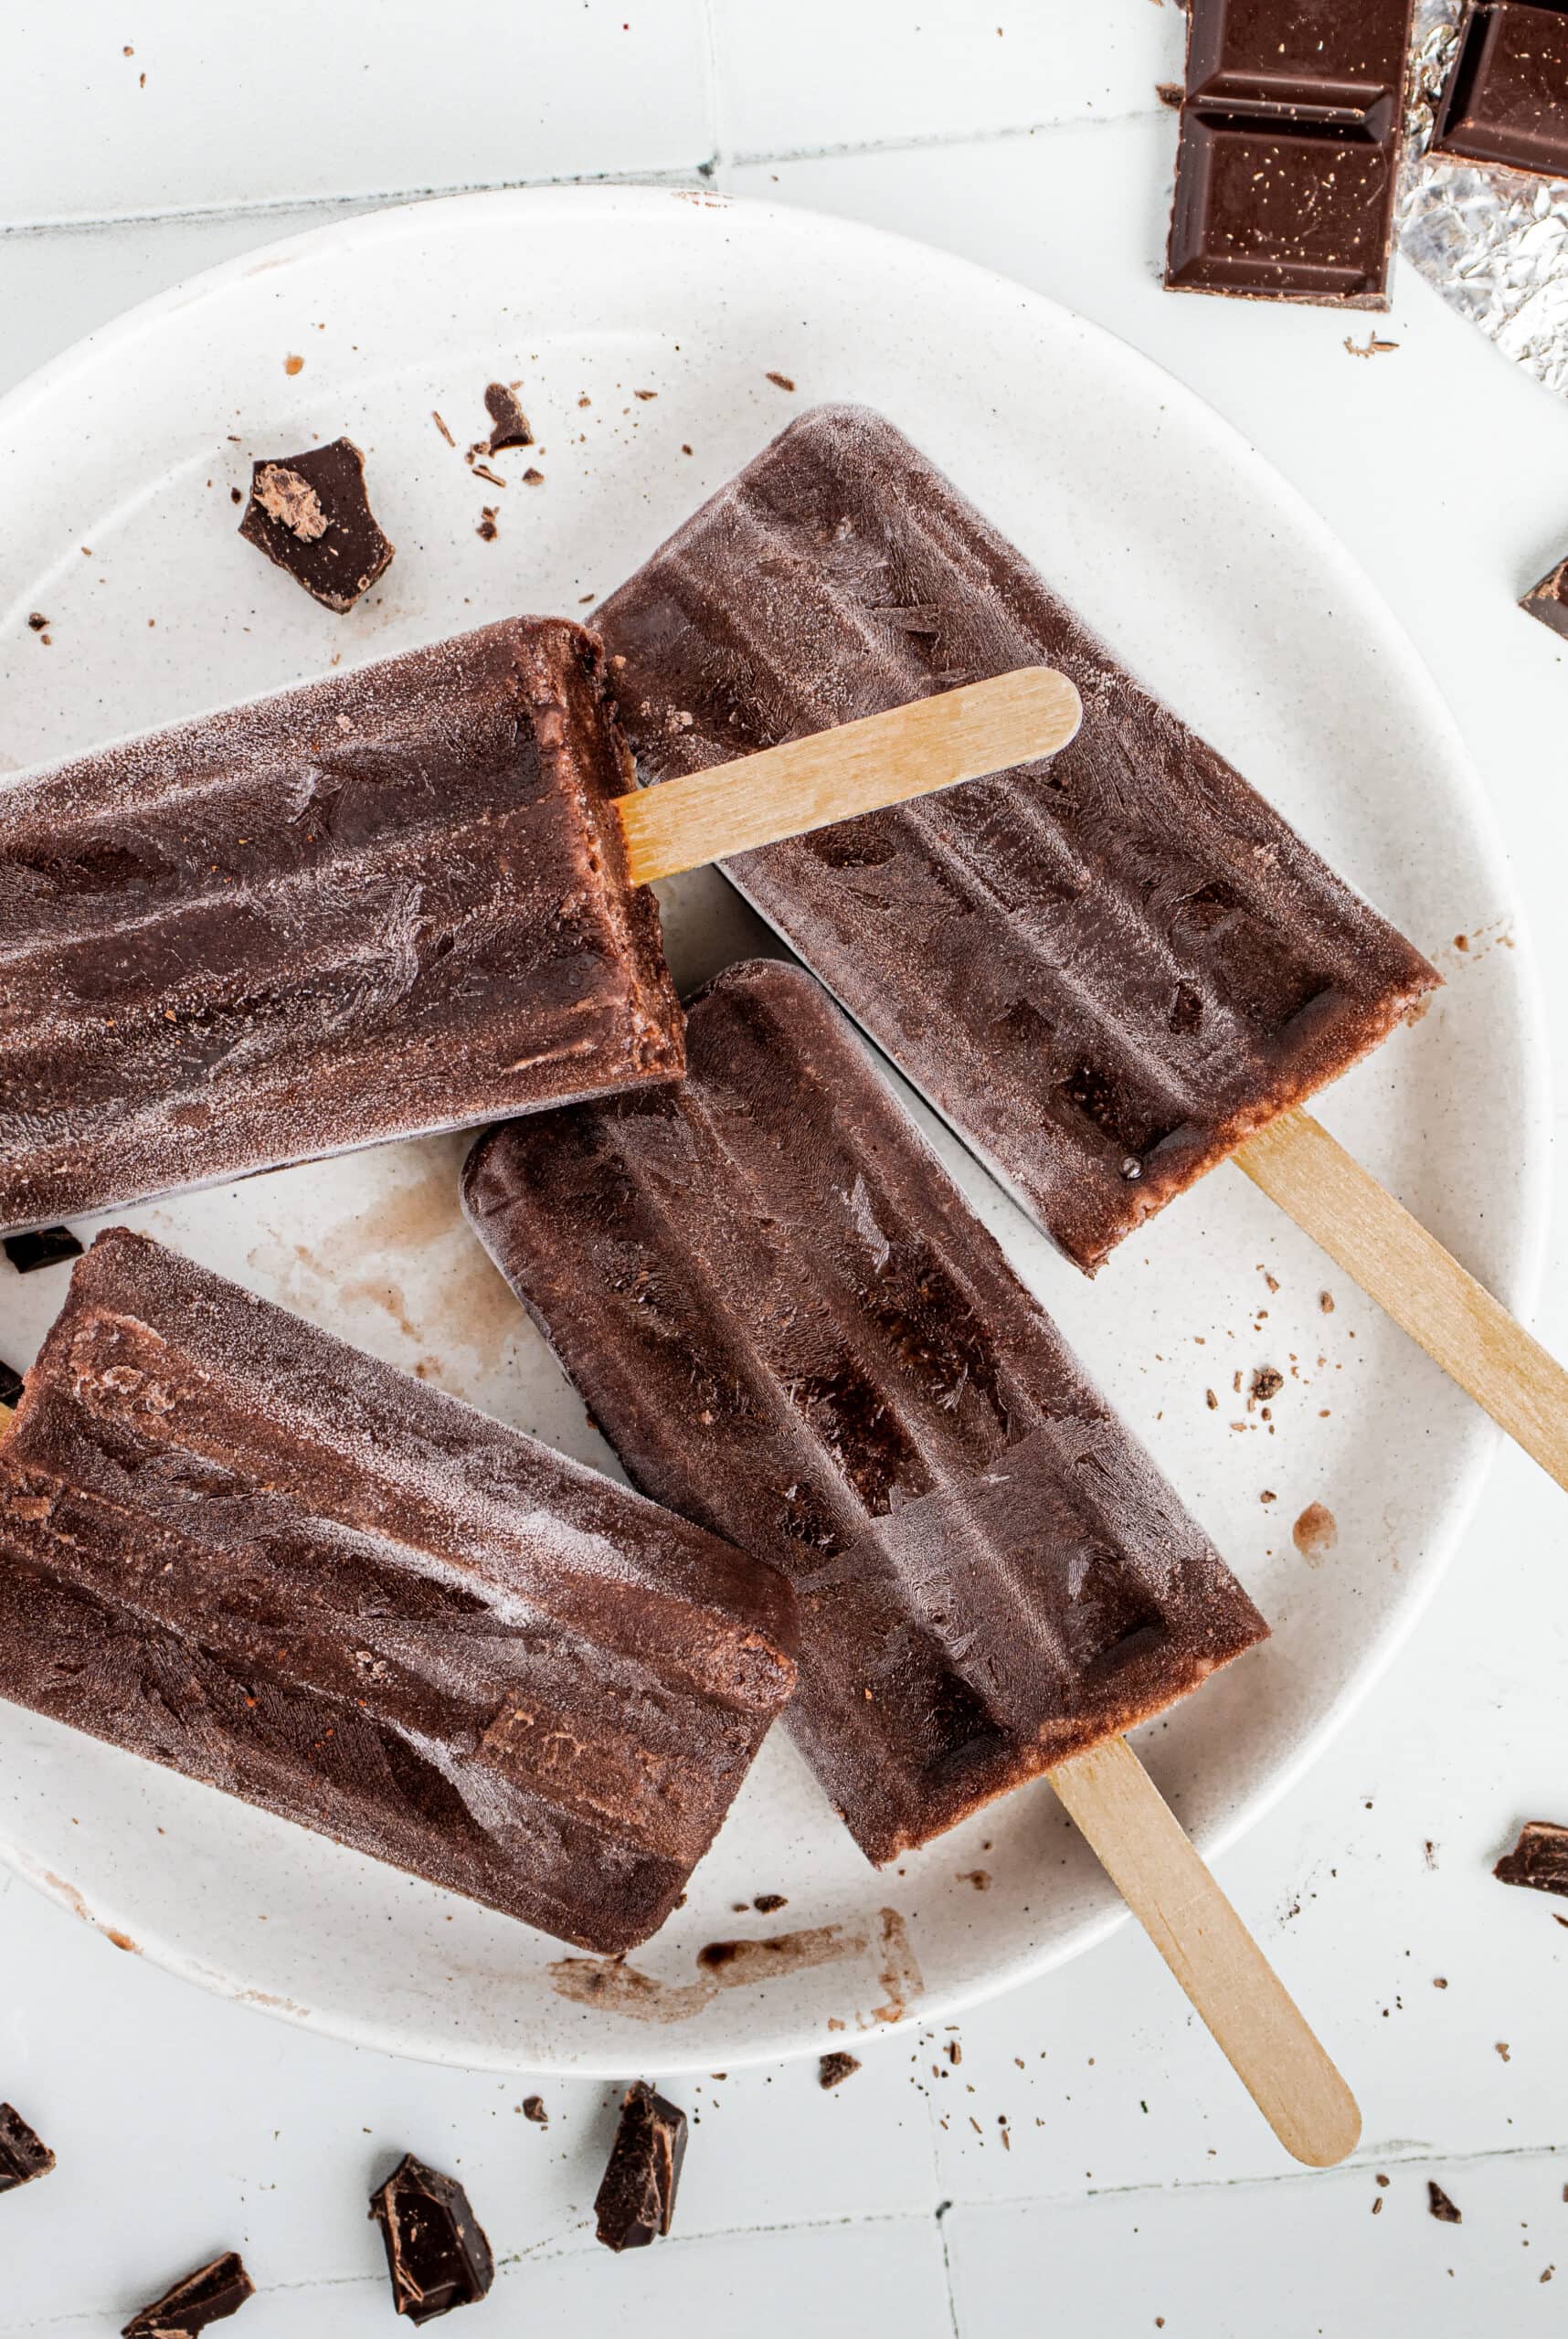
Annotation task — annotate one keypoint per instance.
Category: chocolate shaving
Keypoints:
(1539, 1860)
(45, 1247)
(437, 2256)
(636, 2199)
(508, 423)
(781, 381)
(209, 2296)
(1440, 2206)
(833, 2070)
(23, 2155)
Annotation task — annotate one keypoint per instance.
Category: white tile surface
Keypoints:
(860, 75)
(1437, 464)
(304, 102)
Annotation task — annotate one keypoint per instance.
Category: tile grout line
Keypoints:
(700, 168)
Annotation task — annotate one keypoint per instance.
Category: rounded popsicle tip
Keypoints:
(1322, 2132)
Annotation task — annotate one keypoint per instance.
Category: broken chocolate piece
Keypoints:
(1549, 599)
(766, 1902)
(1506, 101)
(23, 2155)
(212, 2292)
(1266, 1382)
(10, 1385)
(1539, 1860)
(1440, 2206)
(311, 515)
(508, 423)
(833, 2070)
(1291, 132)
(45, 1247)
(637, 2198)
(437, 2255)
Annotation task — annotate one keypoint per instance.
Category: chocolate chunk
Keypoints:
(310, 514)
(1506, 99)
(36, 620)
(437, 2255)
(23, 2155)
(1266, 1382)
(534, 2108)
(1442, 2208)
(766, 1902)
(1539, 1860)
(1291, 131)
(508, 423)
(45, 1247)
(10, 1385)
(211, 2293)
(637, 2198)
(487, 527)
(833, 2070)
(1549, 599)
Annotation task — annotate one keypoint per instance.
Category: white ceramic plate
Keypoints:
(1214, 581)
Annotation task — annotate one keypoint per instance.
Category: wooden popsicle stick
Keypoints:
(1429, 1295)
(1253, 2020)
(859, 767)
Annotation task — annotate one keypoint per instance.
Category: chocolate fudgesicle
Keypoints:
(792, 1329)
(1106, 970)
(391, 901)
(241, 1548)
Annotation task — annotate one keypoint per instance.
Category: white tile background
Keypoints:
(1134, 2183)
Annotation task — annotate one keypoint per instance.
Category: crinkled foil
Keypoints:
(1494, 244)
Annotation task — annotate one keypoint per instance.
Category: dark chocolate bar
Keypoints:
(1539, 1860)
(23, 2154)
(636, 2199)
(310, 514)
(437, 2254)
(211, 2294)
(1506, 101)
(1291, 130)
(46, 1246)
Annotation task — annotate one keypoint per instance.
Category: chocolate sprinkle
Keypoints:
(209, 2296)
(636, 2199)
(437, 2256)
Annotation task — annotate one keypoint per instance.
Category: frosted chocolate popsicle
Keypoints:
(1106, 970)
(233, 1544)
(392, 902)
(792, 1329)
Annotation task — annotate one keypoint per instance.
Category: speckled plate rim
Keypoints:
(534, 209)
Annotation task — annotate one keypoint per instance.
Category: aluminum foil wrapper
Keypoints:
(1492, 242)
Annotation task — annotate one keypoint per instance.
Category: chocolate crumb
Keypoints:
(45, 1247)
(1380, 2178)
(636, 2200)
(441, 426)
(483, 471)
(1539, 1860)
(766, 1903)
(1211, 1401)
(1441, 2207)
(833, 2070)
(1377, 2203)
(23, 2154)
(644, 393)
(293, 365)
(955, 2053)
(1326, 1302)
(1170, 93)
(1439, 1981)
(534, 2108)
(1268, 1495)
(437, 2256)
(531, 478)
(211, 2294)
(1266, 1382)
(1503, 2050)
(508, 423)
(979, 1876)
(236, 495)
(487, 527)
(780, 381)
(36, 620)
(684, 448)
